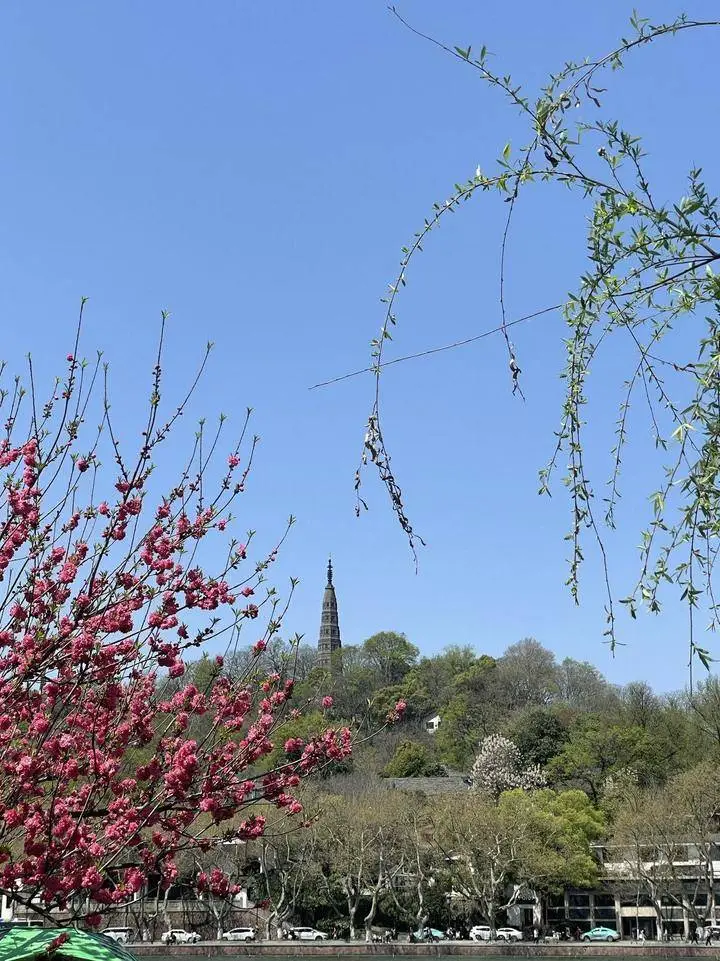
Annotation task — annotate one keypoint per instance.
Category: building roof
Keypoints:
(452, 784)
(31, 944)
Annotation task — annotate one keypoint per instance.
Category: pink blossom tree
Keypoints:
(107, 587)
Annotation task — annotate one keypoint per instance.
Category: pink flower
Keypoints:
(392, 717)
(57, 942)
(68, 573)
(327, 702)
(233, 460)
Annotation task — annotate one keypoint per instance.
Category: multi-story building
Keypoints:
(663, 893)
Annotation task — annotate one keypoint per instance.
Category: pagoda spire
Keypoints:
(329, 638)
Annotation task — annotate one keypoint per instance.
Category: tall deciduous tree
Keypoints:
(480, 844)
(645, 842)
(391, 655)
(528, 674)
(288, 861)
(363, 853)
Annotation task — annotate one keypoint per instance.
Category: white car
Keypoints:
(480, 932)
(179, 936)
(508, 934)
(306, 934)
(240, 934)
(119, 935)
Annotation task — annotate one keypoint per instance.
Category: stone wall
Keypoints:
(282, 949)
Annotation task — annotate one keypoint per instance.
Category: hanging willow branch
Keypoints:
(650, 265)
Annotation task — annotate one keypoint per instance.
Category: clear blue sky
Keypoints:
(255, 168)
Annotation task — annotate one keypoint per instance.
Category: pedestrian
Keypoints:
(578, 934)
(641, 937)
(708, 936)
(536, 935)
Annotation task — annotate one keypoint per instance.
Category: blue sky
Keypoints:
(255, 168)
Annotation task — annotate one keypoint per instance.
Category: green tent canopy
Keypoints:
(30, 944)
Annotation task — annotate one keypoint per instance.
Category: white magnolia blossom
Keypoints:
(621, 782)
(499, 767)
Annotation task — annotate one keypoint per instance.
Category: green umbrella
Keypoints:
(30, 944)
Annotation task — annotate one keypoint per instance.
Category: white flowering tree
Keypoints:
(499, 767)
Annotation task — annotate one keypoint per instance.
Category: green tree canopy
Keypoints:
(596, 751)
(391, 655)
(540, 733)
(562, 827)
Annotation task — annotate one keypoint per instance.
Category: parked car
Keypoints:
(306, 934)
(430, 934)
(508, 934)
(179, 936)
(601, 934)
(240, 934)
(120, 935)
(480, 932)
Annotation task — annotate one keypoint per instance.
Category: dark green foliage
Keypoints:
(412, 759)
(539, 733)
(597, 751)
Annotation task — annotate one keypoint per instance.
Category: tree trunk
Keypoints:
(538, 911)
(686, 917)
(352, 908)
(353, 899)
(491, 911)
(660, 920)
(370, 916)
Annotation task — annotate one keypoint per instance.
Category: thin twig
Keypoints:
(437, 350)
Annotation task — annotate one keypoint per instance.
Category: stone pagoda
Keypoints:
(329, 639)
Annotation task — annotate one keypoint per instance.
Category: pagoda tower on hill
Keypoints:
(329, 639)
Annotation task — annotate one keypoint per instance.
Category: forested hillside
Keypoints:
(563, 716)
(537, 771)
